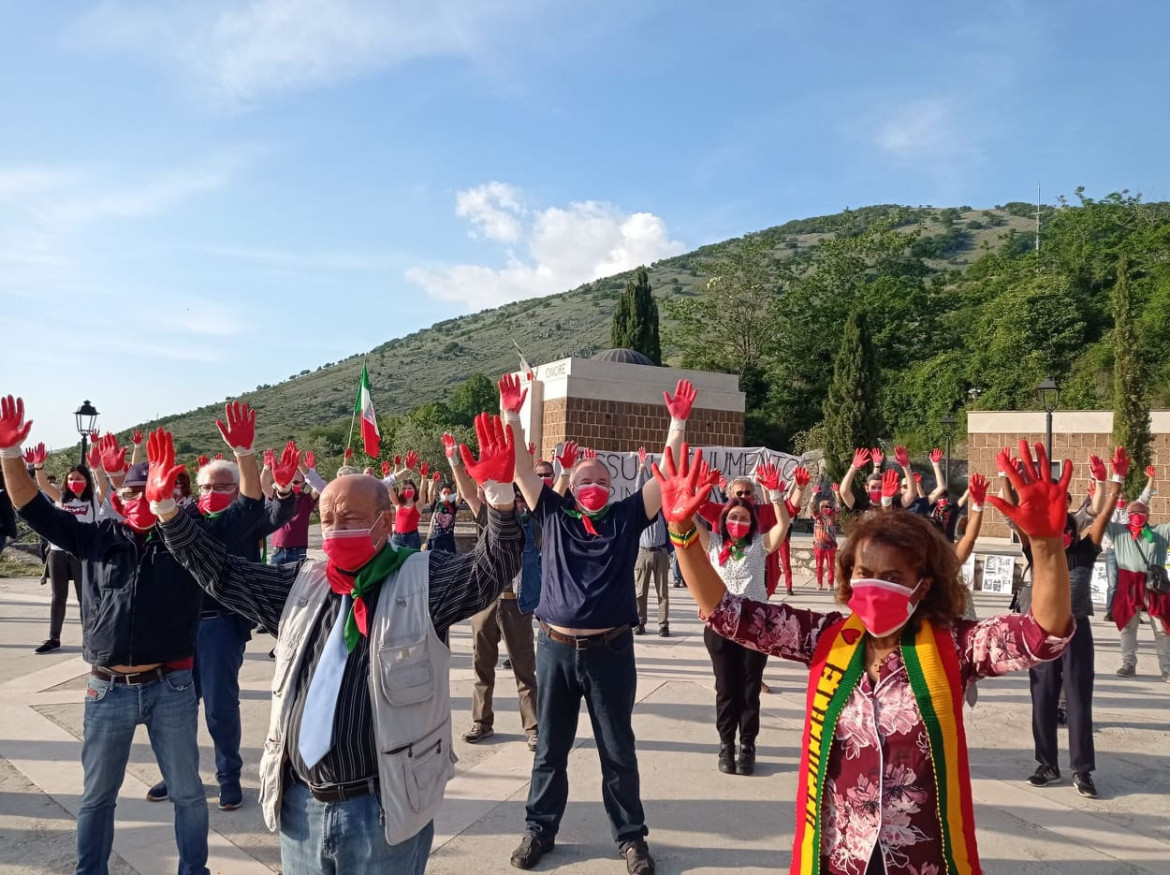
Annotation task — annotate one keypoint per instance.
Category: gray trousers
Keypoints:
(1129, 641)
(503, 619)
(653, 566)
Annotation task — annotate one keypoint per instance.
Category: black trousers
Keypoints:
(62, 566)
(1074, 671)
(739, 671)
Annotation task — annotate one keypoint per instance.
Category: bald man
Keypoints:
(359, 748)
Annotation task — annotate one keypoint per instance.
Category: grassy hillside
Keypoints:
(428, 364)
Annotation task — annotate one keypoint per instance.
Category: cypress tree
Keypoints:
(851, 415)
(1131, 409)
(635, 322)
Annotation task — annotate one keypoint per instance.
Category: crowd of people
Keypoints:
(174, 580)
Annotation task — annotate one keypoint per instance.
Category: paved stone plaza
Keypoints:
(700, 820)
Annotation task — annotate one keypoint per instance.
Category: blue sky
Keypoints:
(200, 196)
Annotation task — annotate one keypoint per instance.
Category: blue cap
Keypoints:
(136, 476)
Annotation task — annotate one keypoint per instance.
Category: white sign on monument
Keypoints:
(1099, 583)
(967, 572)
(998, 573)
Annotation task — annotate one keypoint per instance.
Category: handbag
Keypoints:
(1157, 578)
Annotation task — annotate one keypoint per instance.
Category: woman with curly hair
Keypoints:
(884, 785)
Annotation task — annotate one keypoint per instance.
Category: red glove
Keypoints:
(1151, 471)
(437, 477)
(877, 457)
(1097, 468)
(201, 461)
(13, 428)
(348, 455)
(240, 431)
(162, 471)
(424, 469)
(136, 437)
(385, 469)
(1043, 508)
(589, 453)
(411, 459)
(682, 492)
(642, 456)
(310, 460)
(286, 467)
(768, 476)
(684, 398)
(936, 455)
(511, 395)
(890, 483)
(861, 458)
(978, 489)
(531, 448)
(902, 457)
(497, 456)
(802, 477)
(1120, 463)
(568, 456)
(113, 456)
(93, 458)
(397, 461)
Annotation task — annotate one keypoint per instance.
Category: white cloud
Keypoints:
(930, 134)
(245, 50)
(560, 248)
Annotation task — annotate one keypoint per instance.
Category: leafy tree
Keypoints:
(635, 322)
(477, 394)
(852, 416)
(1131, 409)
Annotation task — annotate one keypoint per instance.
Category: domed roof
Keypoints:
(622, 356)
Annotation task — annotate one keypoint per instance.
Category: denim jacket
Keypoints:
(528, 595)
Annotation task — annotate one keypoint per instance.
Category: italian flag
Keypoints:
(365, 409)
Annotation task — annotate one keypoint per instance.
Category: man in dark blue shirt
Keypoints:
(587, 609)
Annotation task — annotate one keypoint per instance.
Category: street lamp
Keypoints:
(86, 416)
(1049, 393)
(948, 424)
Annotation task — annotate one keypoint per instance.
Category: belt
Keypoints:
(661, 549)
(137, 679)
(213, 615)
(340, 792)
(584, 642)
(507, 594)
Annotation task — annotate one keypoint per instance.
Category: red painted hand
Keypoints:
(201, 461)
(162, 471)
(397, 461)
(642, 456)
(1097, 468)
(287, 465)
(936, 455)
(218, 456)
(568, 456)
(861, 457)
(682, 402)
(1151, 471)
(240, 431)
(424, 469)
(1043, 504)
(13, 428)
(93, 458)
(1120, 463)
(437, 477)
(136, 437)
(411, 459)
(902, 457)
(877, 457)
(978, 489)
(589, 453)
(511, 395)
(768, 476)
(348, 455)
(802, 476)
(113, 456)
(497, 455)
(386, 469)
(310, 460)
(890, 483)
(270, 460)
(682, 492)
(449, 446)
(531, 448)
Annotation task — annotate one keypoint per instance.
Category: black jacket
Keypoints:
(138, 604)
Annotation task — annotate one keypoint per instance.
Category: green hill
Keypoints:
(430, 364)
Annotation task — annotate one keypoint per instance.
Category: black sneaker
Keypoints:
(727, 759)
(49, 646)
(1044, 775)
(746, 763)
(638, 859)
(506, 664)
(157, 793)
(1127, 671)
(532, 848)
(1083, 782)
(664, 631)
(1109, 616)
(640, 629)
(1061, 717)
(231, 797)
(478, 733)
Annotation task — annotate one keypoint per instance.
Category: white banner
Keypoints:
(998, 573)
(967, 572)
(732, 461)
(1099, 583)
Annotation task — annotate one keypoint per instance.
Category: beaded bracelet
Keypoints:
(686, 539)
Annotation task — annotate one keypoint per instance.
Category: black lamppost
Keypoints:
(948, 424)
(1049, 393)
(86, 416)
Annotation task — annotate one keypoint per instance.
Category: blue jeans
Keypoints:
(340, 838)
(287, 555)
(1111, 577)
(170, 711)
(407, 539)
(218, 657)
(607, 679)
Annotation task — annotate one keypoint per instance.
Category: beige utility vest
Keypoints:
(409, 688)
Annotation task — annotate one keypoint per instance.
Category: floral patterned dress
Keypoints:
(880, 788)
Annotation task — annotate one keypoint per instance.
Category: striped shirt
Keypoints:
(460, 586)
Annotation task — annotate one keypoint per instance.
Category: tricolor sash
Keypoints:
(933, 670)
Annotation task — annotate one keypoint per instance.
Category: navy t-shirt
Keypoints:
(587, 581)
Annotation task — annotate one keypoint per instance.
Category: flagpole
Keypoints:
(353, 416)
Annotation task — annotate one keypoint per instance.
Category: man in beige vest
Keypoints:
(359, 750)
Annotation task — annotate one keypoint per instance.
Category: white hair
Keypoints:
(204, 475)
(348, 471)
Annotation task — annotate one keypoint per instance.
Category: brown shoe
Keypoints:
(478, 733)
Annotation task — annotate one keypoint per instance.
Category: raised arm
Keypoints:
(466, 487)
(800, 481)
(978, 493)
(769, 478)
(136, 442)
(512, 398)
(36, 457)
(902, 457)
(861, 457)
(567, 459)
(239, 432)
(941, 487)
(680, 411)
(1120, 468)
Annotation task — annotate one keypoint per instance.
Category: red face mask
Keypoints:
(349, 549)
(875, 496)
(738, 529)
(296, 489)
(77, 486)
(1137, 522)
(214, 502)
(592, 497)
(883, 607)
(408, 494)
(138, 514)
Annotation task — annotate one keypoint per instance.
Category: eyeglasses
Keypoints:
(545, 475)
(742, 494)
(217, 487)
